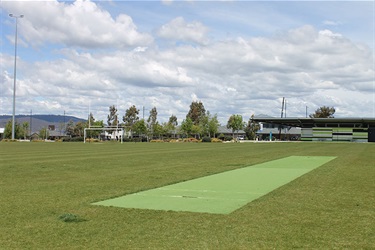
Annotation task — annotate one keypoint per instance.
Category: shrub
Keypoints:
(206, 139)
(216, 140)
(126, 139)
(175, 140)
(221, 137)
(156, 140)
(73, 139)
(228, 138)
(92, 140)
(190, 140)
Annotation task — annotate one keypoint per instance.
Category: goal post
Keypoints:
(121, 130)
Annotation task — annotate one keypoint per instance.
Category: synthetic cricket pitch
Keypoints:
(221, 193)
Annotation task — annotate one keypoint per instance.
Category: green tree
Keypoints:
(17, 130)
(170, 127)
(251, 128)
(235, 123)
(70, 128)
(203, 124)
(196, 130)
(130, 118)
(25, 129)
(79, 129)
(112, 118)
(94, 124)
(159, 130)
(323, 112)
(44, 133)
(140, 128)
(152, 122)
(196, 112)
(173, 121)
(213, 126)
(187, 126)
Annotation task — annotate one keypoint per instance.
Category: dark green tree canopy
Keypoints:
(131, 116)
(153, 116)
(173, 121)
(196, 112)
(112, 118)
(323, 112)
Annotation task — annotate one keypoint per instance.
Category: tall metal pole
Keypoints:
(15, 75)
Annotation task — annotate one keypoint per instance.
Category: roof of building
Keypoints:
(318, 122)
(225, 130)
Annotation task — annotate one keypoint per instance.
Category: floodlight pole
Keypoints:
(15, 74)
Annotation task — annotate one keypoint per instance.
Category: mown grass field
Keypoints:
(332, 207)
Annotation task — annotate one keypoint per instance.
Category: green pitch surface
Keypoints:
(221, 193)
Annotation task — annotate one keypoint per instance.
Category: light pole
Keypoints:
(15, 74)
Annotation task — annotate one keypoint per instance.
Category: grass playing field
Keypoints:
(43, 185)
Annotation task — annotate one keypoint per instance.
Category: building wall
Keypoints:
(334, 134)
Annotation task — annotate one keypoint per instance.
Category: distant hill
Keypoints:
(40, 121)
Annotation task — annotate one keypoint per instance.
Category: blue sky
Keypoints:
(237, 57)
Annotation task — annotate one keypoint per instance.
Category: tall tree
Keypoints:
(170, 126)
(25, 129)
(131, 117)
(153, 116)
(44, 133)
(152, 121)
(323, 112)
(203, 124)
(208, 124)
(112, 119)
(213, 126)
(251, 128)
(173, 120)
(79, 128)
(196, 112)
(235, 123)
(70, 128)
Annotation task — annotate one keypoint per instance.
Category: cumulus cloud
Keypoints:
(241, 75)
(81, 24)
(179, 29)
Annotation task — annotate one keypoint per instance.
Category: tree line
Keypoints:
(198, 123)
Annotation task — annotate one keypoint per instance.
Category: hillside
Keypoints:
(37, 122)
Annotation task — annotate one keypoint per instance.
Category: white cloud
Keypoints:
(179, 29)
(241, 75)
(80, 24)
(331, 23)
